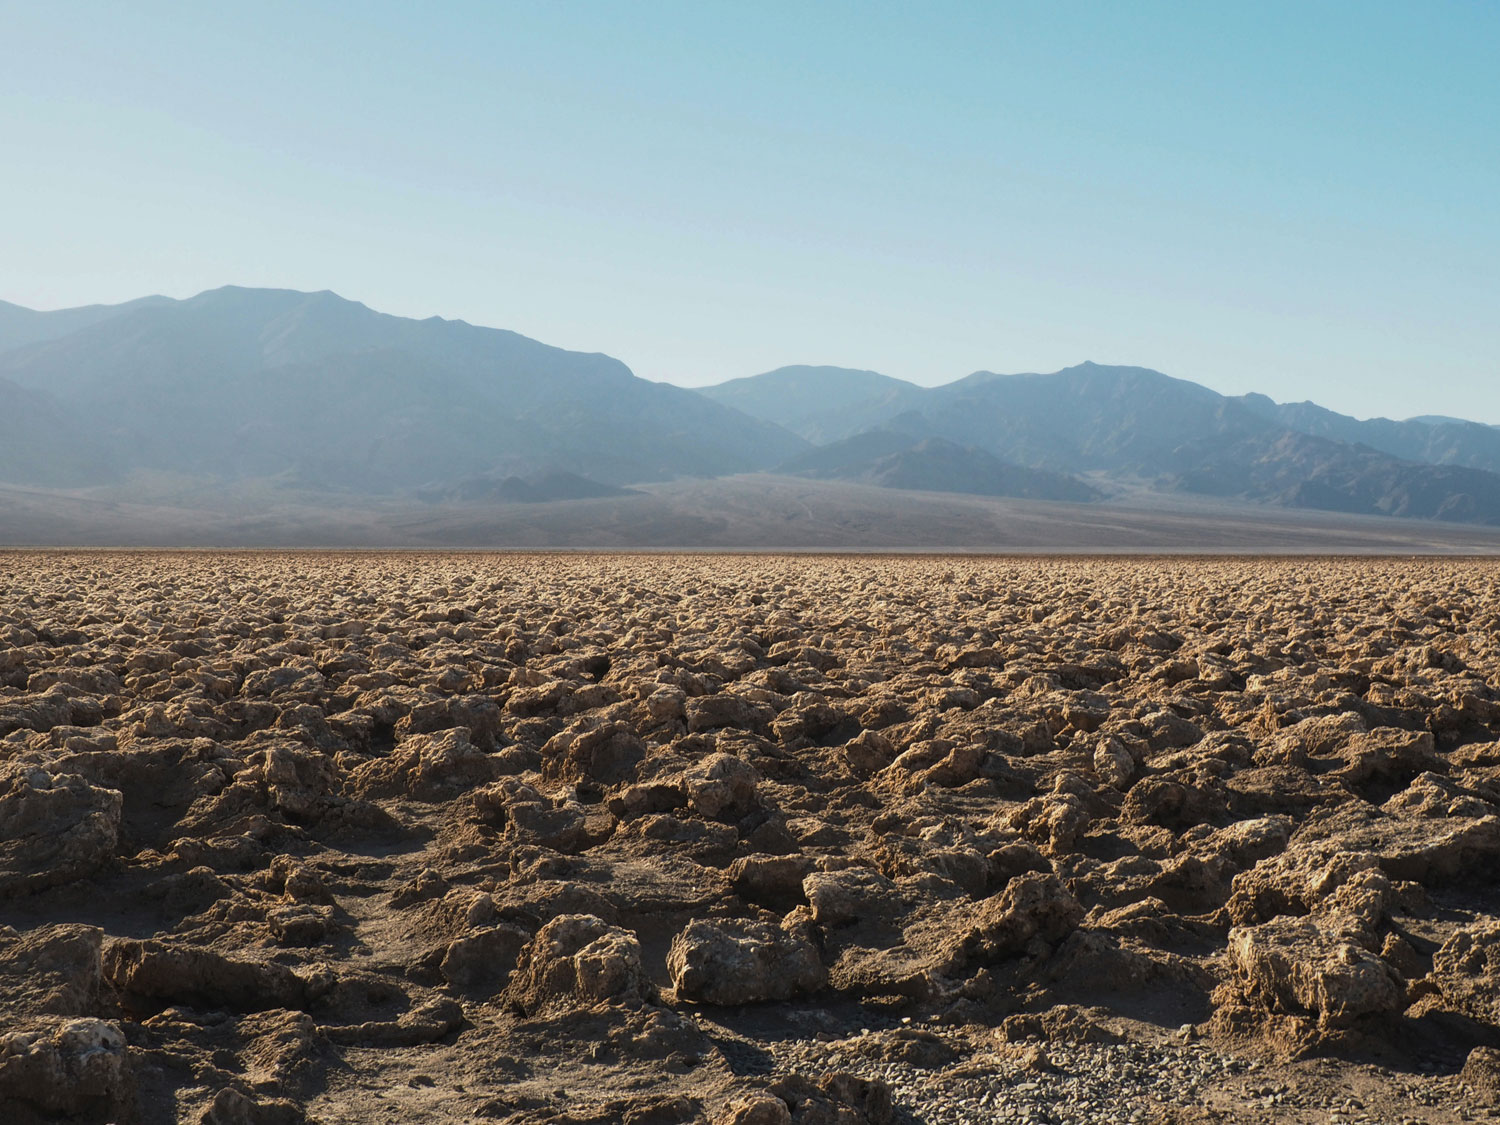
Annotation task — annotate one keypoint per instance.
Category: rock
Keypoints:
(68, 1068)
(1167, 731)
(711, 712)
(530, 818)
(476, 715)
(1033, 913)
(54, 829)
(300, 923)
(1361, 901)
(1010, 860)
(1247, 842)
(36, 712)
(721, 787)
(1481, 1073)
(774, 881)
(1319, 736)
(147, 972)
(1114, 764)
(427, 1023)
(867, 753)
(579, 961)
(1174, 802)
(909, 1045)
(1387, 756)
(1053, 821)
(836, 1099)
(742, 962)
(1061, 1024)
(605, 754)
(1331, 845)
(841, 897)
(762, 1109)
(1302, 965)
(560, 828)
(52, 970)
(1296, 881)
(808, 718)
(231, 1107)
(1466, 973)
(1303, 751)
(485, 957)
(427, 767)
(870, 1097)
(282, 1050)
(667, 704)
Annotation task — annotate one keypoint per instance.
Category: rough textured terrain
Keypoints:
(751, 840)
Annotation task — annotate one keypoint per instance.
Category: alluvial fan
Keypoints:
(747, 839)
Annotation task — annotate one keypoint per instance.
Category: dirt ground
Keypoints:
(355, 837)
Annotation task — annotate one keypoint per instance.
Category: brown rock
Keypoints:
(742, 962)
(53, 829)
(579, 961)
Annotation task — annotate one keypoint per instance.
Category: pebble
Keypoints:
(1078, 1083)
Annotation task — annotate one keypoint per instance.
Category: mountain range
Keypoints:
(1132, 425)
(238, 384)
(266, 393)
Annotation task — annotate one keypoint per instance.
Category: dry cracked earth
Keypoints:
(751, 840)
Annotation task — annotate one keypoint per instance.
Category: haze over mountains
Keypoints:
(1131, 424)
(252, 398)
(240, 384)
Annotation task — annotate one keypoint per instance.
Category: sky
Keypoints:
(1294, 198)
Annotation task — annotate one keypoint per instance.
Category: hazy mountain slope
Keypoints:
(534, 488)
(852, 454)
(935, 465)
(1084, 418)
(1298, 470)
(1434, 440)
(40, 441)
(1438, 419)
(1140, 425)
(821, 404)
(1179, 435)
(20, 326)
(891, 459)
(239, 383)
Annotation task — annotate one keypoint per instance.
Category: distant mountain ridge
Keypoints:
(238, 384)
(271, 392)
(20, 326)
(1143, 427)
(1434, 440)
(821, 404)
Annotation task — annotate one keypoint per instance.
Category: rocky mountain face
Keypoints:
(239, 384)
(1141, 427)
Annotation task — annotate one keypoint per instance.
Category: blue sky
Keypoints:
(1297, 198)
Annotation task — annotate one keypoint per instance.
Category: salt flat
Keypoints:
(659, 838)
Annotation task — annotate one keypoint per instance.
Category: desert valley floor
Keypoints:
(747, 839)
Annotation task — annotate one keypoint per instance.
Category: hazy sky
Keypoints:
(1299, 198)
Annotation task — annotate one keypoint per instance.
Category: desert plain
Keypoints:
(747, 839)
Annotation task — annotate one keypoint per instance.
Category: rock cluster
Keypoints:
(610, 838)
